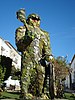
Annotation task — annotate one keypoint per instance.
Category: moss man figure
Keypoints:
(34, 44)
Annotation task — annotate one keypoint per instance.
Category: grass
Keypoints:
(10, 95)
(69, 96)
(15, 95)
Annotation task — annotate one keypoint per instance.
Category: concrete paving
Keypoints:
(15, 99)
(7, 99)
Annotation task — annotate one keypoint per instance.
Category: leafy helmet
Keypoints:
(33, 19)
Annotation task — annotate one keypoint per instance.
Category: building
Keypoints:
(67, 82)
(6, 49)
(70, 79)
(73, 72)
(15, 56)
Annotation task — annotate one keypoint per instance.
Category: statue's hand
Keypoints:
(21, 15)
(51, 59)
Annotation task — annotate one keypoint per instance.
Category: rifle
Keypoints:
(21, 16)
(48, 80)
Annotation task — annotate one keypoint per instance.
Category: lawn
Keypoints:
(10, 95)
(69, 96)
(15, 95)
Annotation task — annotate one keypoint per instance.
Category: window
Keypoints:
(2, 49)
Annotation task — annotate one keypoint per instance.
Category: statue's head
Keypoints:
(33, 19)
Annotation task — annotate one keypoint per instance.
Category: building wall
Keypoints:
(16, 59)
(71, 77)
(0, 45)
(4, 49)
(67, 81)
(73, 70)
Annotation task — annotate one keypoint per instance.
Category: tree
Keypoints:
(61, 70)
(15, 73)
(2, 74)
(5, 68)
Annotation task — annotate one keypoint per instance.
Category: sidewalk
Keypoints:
(70, 91)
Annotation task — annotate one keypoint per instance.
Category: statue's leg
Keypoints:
(37, 80)
(40, 78)
(25, 78)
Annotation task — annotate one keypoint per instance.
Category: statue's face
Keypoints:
(34, 19)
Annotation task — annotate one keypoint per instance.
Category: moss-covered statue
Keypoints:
(34, 44)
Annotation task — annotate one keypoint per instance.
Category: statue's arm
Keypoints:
(23, 36)
(19, 38)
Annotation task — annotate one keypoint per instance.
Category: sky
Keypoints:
(57, 18)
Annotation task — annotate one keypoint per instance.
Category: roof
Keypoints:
(72, 59)
(9, 44)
